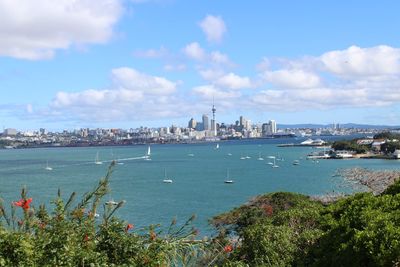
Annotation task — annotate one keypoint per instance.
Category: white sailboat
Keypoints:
(96, 160)
(274, 163)
(148, 154)
(48, 168)
(166, 180)
(259, 156)
(217, 146)
(296, 162)
(228, 180)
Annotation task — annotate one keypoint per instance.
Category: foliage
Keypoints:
(359, 230)
(351, 146)
(73, 236)
(387, 135)
(390, 147)
(277, 229)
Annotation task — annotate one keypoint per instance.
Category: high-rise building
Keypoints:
(192, 124)
(206, 122)
(273, 126)
(242, 121)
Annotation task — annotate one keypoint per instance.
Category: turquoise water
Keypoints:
(198, 182)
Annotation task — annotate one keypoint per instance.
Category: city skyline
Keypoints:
(131, 63)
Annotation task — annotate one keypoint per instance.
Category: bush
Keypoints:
(74, 237)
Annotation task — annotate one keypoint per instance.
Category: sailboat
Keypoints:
(97, 161)
(274, 163)
(228, 180)
(48, 167)
(148, 154)
(296, 162)
(242, 157)
(217, 146)
(259, 156)
(166, 180)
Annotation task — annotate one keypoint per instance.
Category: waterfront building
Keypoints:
(10, 132)
(192, 124)
(206, 122)
(273, 126)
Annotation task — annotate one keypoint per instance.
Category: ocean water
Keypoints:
(198, 181)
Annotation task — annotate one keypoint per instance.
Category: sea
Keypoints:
(198, 173)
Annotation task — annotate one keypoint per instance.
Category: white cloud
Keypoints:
(211, 92)
(356, 61)
(292, 78)
(132, 95)
(134, 80)
(213, 27)
(152, 53)
(220, 58)
(194, 51)
(174, 67)
(211, 74)
(233, 81)
(35, 29)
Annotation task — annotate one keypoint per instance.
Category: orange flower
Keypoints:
(23, 203)
(129, 227)
(228, 248)
(153, 236)
(268, 209)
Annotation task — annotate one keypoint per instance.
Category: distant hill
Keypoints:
(345, 125)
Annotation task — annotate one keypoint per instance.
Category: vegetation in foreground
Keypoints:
(277, 229)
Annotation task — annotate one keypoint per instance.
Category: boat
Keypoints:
(148, 154)
(248, 157)
(166, 180)
(229, 154)
(217, 146)
(111, 203)
(48, 168)
(191, 155)
(242, 157)
(296, 162)
(96, 160)
(227, 179)
(274, 163)
(259, 157)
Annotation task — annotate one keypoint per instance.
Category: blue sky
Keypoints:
(125, 63)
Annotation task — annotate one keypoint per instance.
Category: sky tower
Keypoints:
(213, 122)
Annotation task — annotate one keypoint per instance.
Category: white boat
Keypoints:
(248, 157)
(217, 146)
(96, 160)
(166, 180)
(229, 154)
(259, 157)
(296, 162)
(274, 163)
(148, 154)
(191, 155)
(111, 203)
(228, 180)
(242, 157)
(48, 168)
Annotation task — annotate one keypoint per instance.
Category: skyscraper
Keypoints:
(273, 126)
(192, 123)
(206, 122)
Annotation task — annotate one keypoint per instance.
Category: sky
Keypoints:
(71, 64)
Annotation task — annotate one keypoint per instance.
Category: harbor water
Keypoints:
(197, 171)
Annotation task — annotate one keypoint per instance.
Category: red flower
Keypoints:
(86, 238)
(129, 227)
(228, 248)
(153, 236)
(268, 209)
(23, 203)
